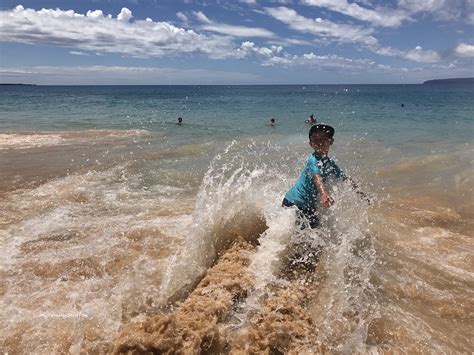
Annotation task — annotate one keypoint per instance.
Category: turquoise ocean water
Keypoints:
(110, 213)
(223, 111)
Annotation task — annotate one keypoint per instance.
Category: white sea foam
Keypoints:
(20, 141)
(87, 244)
(238, 193)
(25, 140)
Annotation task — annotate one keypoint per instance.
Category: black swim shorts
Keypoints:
(305, 215)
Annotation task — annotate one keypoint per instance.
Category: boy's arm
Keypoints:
(326, 199)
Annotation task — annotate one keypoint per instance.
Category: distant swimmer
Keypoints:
(272, 122)
(180, 120)
(311, 119)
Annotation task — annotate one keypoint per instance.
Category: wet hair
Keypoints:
(322, 128)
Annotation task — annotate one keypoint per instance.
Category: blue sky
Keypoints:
(235, 42)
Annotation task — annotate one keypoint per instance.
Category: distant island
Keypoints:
(17, 84)
(469, 81)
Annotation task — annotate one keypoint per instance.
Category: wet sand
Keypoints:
(29, 159)
(193, 327)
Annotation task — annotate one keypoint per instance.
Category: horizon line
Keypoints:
(447, 80)
(28, 84)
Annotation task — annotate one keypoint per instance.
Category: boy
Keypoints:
(310, 189)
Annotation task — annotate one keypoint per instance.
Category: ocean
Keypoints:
(121, 230)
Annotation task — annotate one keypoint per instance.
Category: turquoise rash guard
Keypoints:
(304, 193)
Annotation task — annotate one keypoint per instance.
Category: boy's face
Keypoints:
(320, 142)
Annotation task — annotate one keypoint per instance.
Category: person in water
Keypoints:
(272, 122)
(180, 120)
(311, 119)
(310, 189)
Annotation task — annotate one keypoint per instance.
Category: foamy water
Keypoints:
(88, 254)
(175, 240)
(24, 140)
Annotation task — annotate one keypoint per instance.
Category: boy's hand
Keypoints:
(326, 200)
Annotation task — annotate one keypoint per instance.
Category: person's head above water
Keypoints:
(272, 120)
(180, 119)
(321, 138)
(311, 119)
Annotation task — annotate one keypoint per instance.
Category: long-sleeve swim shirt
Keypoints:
(304, 193)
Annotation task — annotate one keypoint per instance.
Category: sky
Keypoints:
(167, 42)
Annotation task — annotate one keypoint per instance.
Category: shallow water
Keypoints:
(107, 234)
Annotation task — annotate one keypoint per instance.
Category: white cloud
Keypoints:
(275, 56)
(78, 53)
(95, 14)
(96, 32)
(323, 62)
(248, 48)
(470, 12)
(182, 16)
(291, 42)
(381, 16)
(323, 28)
(343, 33)
(124, 15)
(201, 17)
(111, 75)
(418, 54)
(365, 67)
(415, 6)
(388, 51)
(384, 67)
(231, 30)
(442, 10)
(238, 31)
(464, 50)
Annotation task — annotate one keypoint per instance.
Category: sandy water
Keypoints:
(109, 239)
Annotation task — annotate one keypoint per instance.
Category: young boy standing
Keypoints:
(310, 189)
